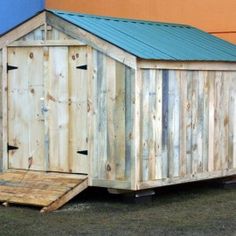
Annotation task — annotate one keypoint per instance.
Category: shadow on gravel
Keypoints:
(203, 208)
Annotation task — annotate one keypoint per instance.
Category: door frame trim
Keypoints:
(5, 155)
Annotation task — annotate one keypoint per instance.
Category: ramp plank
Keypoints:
(48, 190)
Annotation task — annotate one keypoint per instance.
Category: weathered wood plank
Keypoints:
(185, 179)
(129, 121)
(51, 190)
(57, 98)
(41, 43)
(145, 124)
(25, 121)
(158, 128)
(205, 134)
(173, 125)
(218, 119)
(135, 87)
(197, 119)
(112, 126)
(165, 123)
(192, 66)
(1, 71)
(4, 110)
(152, 93)
(45, 103)
(232, 126)
(189, 81)
(101, 95)
(119, 121)
(211, 78)
(90, 113)
(183, 119)
(36, 34)
(176, 124)
(55, 34)
(66, 197)
(36, 119)
(77, 103)
(92, 117)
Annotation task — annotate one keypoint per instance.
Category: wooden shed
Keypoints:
(115, 103)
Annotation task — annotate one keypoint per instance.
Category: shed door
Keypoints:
(25, 119)
(47, 114)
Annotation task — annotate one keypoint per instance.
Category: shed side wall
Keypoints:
(1, 111)
(110, 134)
(187, 125)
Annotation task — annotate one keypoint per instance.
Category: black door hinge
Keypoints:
(10, 147)
(83, 67)
(84, 152)
(9, 67)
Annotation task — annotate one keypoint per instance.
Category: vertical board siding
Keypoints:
(205, 122)
(173, 126)
(78, 134)
(187, 78)
(164, 145)
(47, 109)
(119, 120)
(110, 99)
(25, 120)
(232, 125)
(102, 117)
(66, 109)
(37, 34)
(182, 125)
(1, 153)
(54, 34)
(151, 126)
(197, 125)
(57, 96)
(129, 78)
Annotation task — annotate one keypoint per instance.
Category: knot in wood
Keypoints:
(108, 167)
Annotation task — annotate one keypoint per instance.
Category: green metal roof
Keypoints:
(154, 40)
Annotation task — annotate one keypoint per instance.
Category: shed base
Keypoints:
(44, 189)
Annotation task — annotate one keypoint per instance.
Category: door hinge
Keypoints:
(83, 67)
(10, 147)
(84, 152)
(9, 67)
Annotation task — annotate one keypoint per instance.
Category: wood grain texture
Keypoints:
(110, 118)
(77, 103)
(4, 110)
(43, 189)
(25, 121)
(197, 128)
(1, 72)
(186, 66)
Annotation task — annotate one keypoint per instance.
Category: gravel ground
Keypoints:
(192, 209)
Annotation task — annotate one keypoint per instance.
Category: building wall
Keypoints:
(216, 17)
(14, 12)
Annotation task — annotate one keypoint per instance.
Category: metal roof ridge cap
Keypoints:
(118, 18)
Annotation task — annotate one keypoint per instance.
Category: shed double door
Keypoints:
(47, 109)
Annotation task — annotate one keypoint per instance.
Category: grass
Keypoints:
(192, 209)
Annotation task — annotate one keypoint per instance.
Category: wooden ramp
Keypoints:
(47, 190)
